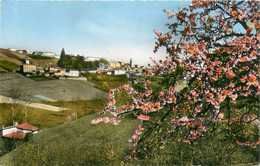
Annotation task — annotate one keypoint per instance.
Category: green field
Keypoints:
(47, 119)
(39, 57)
(2, 69)
(106, 82)
(9, 66)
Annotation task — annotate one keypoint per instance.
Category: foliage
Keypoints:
(105, 82)
(215, 148)
(8, 65)
(212, 45)
(40, 57)
(78, 62)
(62, 58)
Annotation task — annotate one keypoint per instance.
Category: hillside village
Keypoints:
(112, 68)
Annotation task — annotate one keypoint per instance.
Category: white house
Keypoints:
(87, 59)
(12, 49)
(72, 73)
(50, 54)
(18, 131)
(23, 51)
(117, 72)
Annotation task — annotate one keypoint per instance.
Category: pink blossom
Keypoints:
(136, 137)
(233, 96)
(220, 116)
(252, 78)
(231, 85)
(143, 117)
(231, 75)
(106, 119)
(170, 13)
(186, 140)
(184, 119)
(157, 33)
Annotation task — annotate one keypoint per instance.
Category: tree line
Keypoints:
(78, 62)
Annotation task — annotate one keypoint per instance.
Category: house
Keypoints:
(18, 131)
(58, 72)
(108, 72)
(39, 69)
(50, 54)
(111, 72)
(114, 65)
(12, 49)
(26, 61)
(23, 51)
(72, 73)
(87, 59)
(117, 72)
(28, 68)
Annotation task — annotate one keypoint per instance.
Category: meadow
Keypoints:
(8, 66)
(106, 82)
(47, 119)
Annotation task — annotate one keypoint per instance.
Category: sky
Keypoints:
(117, 30)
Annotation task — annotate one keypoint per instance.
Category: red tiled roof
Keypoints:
(54, 71)
(27, 126)
(29, 64)
(115, 69)
(103, 71)
(16, 135)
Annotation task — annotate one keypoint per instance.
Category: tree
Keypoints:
(102, 60)
(215, 44)
(62, 59)
(17, 99)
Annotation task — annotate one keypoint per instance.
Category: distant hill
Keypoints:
(14, 59)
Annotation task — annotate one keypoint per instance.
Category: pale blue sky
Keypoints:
(118, 30)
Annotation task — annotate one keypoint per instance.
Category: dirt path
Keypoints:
(4, 99)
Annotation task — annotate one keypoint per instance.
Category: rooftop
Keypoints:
(27, 126)
(16, 135)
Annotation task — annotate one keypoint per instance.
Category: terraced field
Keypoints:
(51, 90)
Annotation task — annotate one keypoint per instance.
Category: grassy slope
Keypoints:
(106, 82)
(46, 119)
(16, 58)
(39, 57)
(81, 131)
(6, 65)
